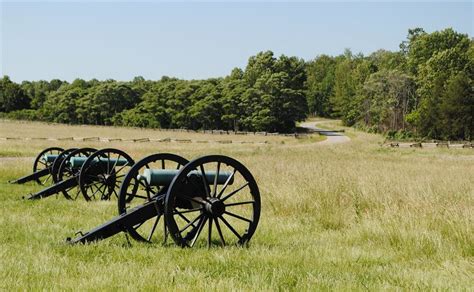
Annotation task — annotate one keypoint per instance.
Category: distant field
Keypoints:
(352, 216)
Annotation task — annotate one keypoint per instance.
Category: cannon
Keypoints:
(94, 174)
(217, 191)
(42, 167)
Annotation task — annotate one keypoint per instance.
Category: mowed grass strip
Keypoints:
(351, 216)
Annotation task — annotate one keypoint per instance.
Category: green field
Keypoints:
(351, 216)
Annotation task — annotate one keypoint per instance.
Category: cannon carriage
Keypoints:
(211, 200)
(213, 195)
(96, 174)
(43, 171)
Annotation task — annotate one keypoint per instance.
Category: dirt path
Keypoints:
(331, 137)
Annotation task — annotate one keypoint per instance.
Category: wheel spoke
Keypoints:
(115, 164)
(218, 227)
(190, 223)
(201, 225)
(47, 179)
(215, 180)
(92, 183)
(191, 199)
(103, 189)
(77, 193)
(133, 183)
(98, 190)
(237, 216)
(209, 233)
(187, 211)
(184, 218)
(108, 163)
(165, 231)
(226, 184)
(115, 192)
(163, 164)
(235, 191)
(125, 165)
(154, 227)
(230, 227)
(204, 180)
(145, 188)
(240, 203)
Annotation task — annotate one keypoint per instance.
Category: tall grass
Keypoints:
(353, 216)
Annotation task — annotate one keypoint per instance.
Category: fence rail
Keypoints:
(437, 144)
(134, 140)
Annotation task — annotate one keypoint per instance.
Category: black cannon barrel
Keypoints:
(30, 177)
(120, 223)
(54, 189)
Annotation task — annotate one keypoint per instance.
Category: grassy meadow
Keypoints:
(351, 216)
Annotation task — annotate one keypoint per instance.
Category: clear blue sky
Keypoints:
(46, 40)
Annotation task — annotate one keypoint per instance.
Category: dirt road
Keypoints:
(331, 137)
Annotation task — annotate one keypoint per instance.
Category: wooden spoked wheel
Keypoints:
(214, 200)
(67, 170)
(57, 163)
(102, 174)
(40, 164)
(135, 192)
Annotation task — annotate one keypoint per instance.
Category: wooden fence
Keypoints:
(436, 144)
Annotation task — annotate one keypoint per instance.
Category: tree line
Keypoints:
(425, 89)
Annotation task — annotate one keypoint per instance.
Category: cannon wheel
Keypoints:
(137, 191)
(57, 163)
(98, 180)
(39, 164)
(232, 208)
(66, 171)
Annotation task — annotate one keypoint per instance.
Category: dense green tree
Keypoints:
(275, 97)
(388, 98)
(12, 96)
(320, 84)
(61, 105)
(232, 107)
(37, 91)
(425, 89)
(435, 58)
(345, 90)
(104, 101)
(387, 60)
(457, 108)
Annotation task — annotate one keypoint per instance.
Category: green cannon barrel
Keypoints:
(79, 161)
(163, 177)
(49, 158)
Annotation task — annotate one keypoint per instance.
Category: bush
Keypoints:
(25, 114)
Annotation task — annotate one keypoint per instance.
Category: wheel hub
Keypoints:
(214, 207)
(108, 179)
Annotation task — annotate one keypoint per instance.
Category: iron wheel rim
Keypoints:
(39, 164)
(146, 230)
(233, 227)
(65, 171)
(108, 181)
